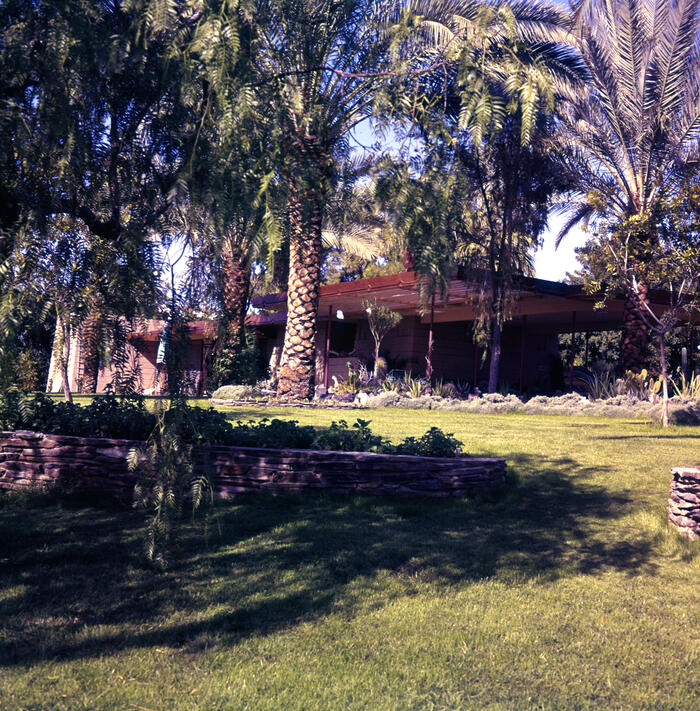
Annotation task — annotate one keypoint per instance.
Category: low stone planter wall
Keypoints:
(684, 501)
(96, 465)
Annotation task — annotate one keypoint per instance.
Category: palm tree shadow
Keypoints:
(272, 562)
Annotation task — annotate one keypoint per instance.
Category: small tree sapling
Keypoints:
(381, 320)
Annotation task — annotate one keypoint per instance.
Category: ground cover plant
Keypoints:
(568, 592)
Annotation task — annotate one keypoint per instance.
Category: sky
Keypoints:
(551, 263)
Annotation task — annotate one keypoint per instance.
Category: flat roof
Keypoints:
(551, 304)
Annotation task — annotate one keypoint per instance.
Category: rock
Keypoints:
(684, 502)
(361, 399)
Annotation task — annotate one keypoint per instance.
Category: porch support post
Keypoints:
(523, 330)
(429, 365)
(585, 359)
(328, 348)
(572, 356)
(476, 362)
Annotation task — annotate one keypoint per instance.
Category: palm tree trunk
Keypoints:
(235, 290)
(297, 373)
(634, 341)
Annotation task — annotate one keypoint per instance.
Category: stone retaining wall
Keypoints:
(684, 501)
(96, 465)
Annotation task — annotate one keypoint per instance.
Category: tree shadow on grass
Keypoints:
(71, 583)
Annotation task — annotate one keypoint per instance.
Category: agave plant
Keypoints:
(688, 388)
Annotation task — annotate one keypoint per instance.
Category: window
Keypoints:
(343, 337)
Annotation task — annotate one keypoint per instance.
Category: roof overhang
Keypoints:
(549, 304)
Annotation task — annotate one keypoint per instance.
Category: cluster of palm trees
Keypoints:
(609, 91)
(515, 108)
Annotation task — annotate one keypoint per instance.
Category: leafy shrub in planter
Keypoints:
(108, 416)
(127, 418)
(340, 437)
(272, 434)
(434, 443)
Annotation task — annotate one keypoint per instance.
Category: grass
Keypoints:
(152, 402)
(568, 593)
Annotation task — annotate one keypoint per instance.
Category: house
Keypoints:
(141, 362)
(531, 361)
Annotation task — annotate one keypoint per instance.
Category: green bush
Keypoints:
(275, 434)
(108, 416)
(340, 437)
(434, 443)
(234, 392)
(236, 362)
(128, 418)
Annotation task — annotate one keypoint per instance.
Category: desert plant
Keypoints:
(414, 387)
(603, 385)
(350, 385)
(463, 388)
(636, 384)
(441, 389)
(381, 320)
(391, 386)
(687, 389)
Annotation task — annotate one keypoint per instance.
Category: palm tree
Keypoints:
(321, 63)
(488, 133)
(326, 64)
(634, 132)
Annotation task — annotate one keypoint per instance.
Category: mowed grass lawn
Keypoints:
(569, 592)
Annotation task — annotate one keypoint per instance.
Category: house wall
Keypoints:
(454, 354)
(142, 354)
(405, 347)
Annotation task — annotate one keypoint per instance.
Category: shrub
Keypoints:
(340, 437)
(434, 443)
(389, 398)
(235, 392)
(106, 416)
(237, 362)
(127, 418)
(679, 412)
(275, 434)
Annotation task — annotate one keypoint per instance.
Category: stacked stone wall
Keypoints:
(684, 501)
(30, 460)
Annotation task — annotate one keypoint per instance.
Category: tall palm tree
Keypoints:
(327, 64)
(321, 63)
(634, 132)
(488, 129)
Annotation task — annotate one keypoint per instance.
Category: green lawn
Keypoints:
(568, 593)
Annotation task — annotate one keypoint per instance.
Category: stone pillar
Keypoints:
(684, 502)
